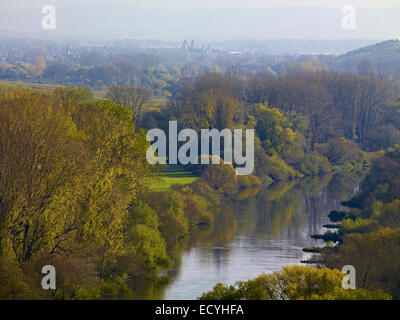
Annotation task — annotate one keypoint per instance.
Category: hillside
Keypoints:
(384, 57)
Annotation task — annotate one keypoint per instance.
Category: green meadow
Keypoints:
(6, 85)
(155, 102)
(169, 176)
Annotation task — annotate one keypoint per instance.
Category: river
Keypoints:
(257, 234)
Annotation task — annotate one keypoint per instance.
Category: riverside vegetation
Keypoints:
(76, 189)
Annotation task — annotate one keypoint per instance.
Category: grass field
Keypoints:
(170, 176)
(155, 102)
(5, 85)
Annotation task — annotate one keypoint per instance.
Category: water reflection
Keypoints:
(261, 231)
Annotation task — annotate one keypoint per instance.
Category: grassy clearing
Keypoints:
(158, 102)
(169, 176)
(155, 102)
(5, 85)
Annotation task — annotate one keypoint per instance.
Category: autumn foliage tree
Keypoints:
(133, 97)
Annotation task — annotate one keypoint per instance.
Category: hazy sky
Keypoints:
(219, 18)
(187, 4)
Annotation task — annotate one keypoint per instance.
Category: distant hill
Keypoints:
(387, 50)
(383, 57)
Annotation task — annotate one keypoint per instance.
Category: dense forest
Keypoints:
(75, 186)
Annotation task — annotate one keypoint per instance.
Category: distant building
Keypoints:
(185, 46)
(68, 52)
(195, 48)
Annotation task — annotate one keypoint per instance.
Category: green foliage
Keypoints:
(209, 102)
(273, 130)
(314, 164)
(69, 172)
(79, 94)
(201, 188)
(221, 178)
(274, 167)
(390, 215)
(74, 180)
(169, 177)
(248, 181)
(382, 182)
(115, 288)
(173, 223)
(197, 208)
(244, 181)
(223, 292)
(359, 225)
(370, 234)
(15, 285)
(375, 257)
(293, 283)
(145, 238)
(358, 294)
(77, 278)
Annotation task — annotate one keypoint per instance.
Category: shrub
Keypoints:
(314, 164)
(340, 151)
(359, 225)
(293, 283)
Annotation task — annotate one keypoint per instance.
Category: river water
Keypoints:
(260, 233)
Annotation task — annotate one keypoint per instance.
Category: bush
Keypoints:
(293, 283)
(314, 164)
(340, 151)
(221, 178)
(244, 182)
(359, 225)
(255, 181)
(197, 208)
(273, 167)
(201, 188)
(173, 223)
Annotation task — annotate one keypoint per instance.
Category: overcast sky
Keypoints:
(187, 4)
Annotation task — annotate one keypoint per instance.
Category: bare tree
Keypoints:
(133, 97)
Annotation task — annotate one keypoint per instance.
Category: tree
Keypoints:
(381, 138)
(133, 97)
(292, 283)
(76, 95)
(260, 88)
(220, 177)
(273, 129)
(68, 175)
(340, 151)
(375, 257)
(374, 95)
(40, 156)
(208, 102)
